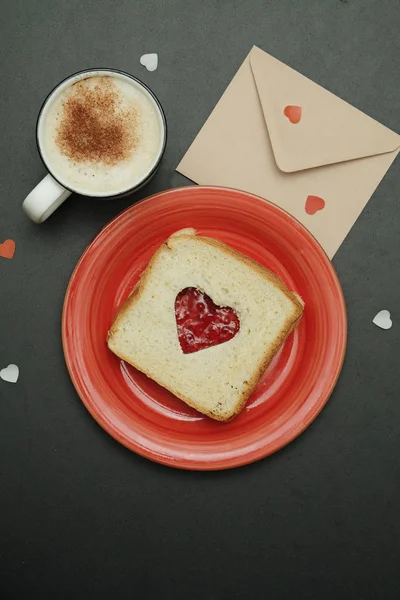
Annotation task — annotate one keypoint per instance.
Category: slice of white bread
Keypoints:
(217, 380)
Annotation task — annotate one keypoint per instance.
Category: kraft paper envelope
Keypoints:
(334, 153)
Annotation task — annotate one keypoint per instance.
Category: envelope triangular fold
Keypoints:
(330, 130)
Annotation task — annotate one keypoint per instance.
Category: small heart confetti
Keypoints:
(314, 204)
(383, 320)
(10, 374)
(7, 249)
(150, 61)
(293, 113)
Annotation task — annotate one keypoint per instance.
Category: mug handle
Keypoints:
(44, 199)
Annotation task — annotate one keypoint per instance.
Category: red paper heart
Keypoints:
(314, 204)
(293, 113)
(201, 323)
(7, 249)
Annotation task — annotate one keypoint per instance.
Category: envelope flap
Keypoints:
(329, 131)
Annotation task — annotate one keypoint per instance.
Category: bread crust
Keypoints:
(291, 322)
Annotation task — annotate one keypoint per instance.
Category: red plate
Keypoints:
(142, 415)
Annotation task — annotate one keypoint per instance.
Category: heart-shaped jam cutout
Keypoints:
(201, 323)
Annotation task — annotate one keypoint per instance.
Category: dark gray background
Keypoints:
(80, 516)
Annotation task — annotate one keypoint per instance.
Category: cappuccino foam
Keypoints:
(101, 135)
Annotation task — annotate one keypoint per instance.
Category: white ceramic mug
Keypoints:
(51, 191)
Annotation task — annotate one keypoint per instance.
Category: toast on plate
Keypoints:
(217, 380)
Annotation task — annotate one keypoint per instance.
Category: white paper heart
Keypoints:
(383, 320)
(150, 61)
(10, 374)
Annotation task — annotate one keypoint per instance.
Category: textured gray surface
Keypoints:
(80, 516)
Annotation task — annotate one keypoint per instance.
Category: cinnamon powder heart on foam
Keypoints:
(201, 323)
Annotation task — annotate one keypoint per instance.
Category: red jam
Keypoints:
(201, 323)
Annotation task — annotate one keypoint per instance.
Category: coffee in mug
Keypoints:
(99, 133)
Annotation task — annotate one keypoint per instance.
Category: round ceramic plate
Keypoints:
(144, 416)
